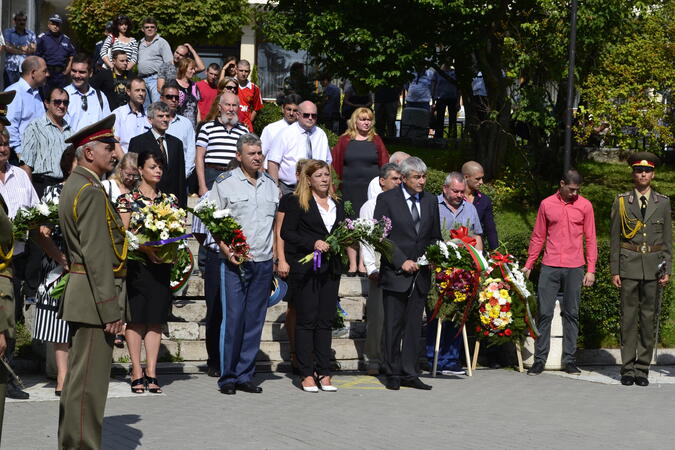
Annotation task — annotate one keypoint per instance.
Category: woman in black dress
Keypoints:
(310, 217)
(357, 158)
(148, 281)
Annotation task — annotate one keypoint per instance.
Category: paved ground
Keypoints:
(493, 409)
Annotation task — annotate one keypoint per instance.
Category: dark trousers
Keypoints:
(402, 331)
(449, 350)
(443, 104)
(385, 118)
(315, 305)
(244, 305)
(214, 310)
(551, 281)
(85, 389)
(638, 321)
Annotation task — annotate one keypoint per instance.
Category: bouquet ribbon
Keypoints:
(317, 260)
(500, 260)
(462, 233)
(166, 241)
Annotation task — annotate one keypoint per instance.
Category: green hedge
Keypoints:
(271, 112)
(600, 307)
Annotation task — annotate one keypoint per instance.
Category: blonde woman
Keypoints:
(188, 93)
(124, 178)
(357, 158)
(310, 216)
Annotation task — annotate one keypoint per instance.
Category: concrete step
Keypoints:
(173, 351)
(195, 310)
(272, 331)
(349, 286)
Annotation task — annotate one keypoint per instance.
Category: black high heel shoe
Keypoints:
(138, 382)
(151, 380)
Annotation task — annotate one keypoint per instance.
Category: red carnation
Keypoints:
(486, 333)
(501, 334)
(508, 332)
(478, 328)
(506, 307)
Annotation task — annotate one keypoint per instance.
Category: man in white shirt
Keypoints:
(180, 126)
(130, 119)
(374, 187)
(289, 108)
(87, 105)
(301, 140)
(389, 178)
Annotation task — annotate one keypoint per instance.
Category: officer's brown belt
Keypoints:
(82, 270)
(644, 248)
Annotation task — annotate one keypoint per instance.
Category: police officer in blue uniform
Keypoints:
(57, 50)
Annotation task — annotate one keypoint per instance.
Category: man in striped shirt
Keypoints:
(217, 142)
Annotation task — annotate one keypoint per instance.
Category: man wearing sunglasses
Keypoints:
(641, 255)
(180, 127)
(301, 140)
(289, 108)
(167, 71)
(19, 42)
(44, 141)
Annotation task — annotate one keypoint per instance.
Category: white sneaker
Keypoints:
(453, 372)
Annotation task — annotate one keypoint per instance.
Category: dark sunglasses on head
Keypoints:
(308, 115)
(231, 88)
(171, 97)
(59, 102)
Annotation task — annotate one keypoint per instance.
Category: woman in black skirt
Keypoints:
(148, 281)
(310, 216)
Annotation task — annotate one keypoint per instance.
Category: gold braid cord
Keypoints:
(6, 258)
(110, 219)
(629, 227)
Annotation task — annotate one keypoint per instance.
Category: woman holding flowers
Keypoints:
(310, 217)
(147, 279)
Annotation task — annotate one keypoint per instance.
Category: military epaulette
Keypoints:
(224, 176)
(624, 194)
(660, 195)
(41, 35)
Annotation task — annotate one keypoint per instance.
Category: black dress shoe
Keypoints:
(642, 381)
(536, 369)
(627, 380)
(248, 387)
(16, 393)
(213, 372)
(572, 369)
(415, 383)
(393, 384)
(228, 389)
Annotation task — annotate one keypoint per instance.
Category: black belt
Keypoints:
(221, 167)
(148, 75)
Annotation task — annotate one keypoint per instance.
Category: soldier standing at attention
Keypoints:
(6, 295)
(641, 239)
(94, 301)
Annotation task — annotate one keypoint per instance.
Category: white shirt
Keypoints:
(17, 191)
(79, 118)
(156, 135)
(181, 127)
(328, 216)
(129, 124)
(269, 133)
(374, 188)
(370, 258)
(290, 146)
(410, 204)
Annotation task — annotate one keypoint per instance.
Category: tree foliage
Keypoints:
(204, 21)
(632, 89)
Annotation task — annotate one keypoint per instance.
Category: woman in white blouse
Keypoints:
(310, 217)
(124, 178)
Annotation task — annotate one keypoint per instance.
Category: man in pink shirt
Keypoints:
(563, 221)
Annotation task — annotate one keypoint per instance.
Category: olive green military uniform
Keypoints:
(638, 246)
(6, 296)
(95, 295)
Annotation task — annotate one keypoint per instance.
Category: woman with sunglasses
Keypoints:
(120, 39)
(227, 84)
(189, 94)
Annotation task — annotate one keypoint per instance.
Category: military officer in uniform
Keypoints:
(94, 300)
(641, 239)
(6, 296)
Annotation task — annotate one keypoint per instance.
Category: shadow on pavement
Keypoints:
(119, 435)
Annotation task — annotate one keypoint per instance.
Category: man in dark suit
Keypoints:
(405, 285)
(173, 178)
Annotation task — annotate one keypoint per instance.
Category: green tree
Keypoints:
(633, 87)
(201, 22)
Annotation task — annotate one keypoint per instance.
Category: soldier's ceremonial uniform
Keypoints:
(94, 296)
(6, 296)
(641, 239)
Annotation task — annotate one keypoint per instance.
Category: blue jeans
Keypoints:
(244, 299)
(151, 87)
(449, 350)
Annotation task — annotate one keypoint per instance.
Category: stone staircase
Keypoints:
(183, 341)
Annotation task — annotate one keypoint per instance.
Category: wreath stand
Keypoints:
(467, 355)
(519, 355)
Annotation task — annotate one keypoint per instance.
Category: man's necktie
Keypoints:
(415, 213)
(309, 145)
(162, 149)
(643, 206)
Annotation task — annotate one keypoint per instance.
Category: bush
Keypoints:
(270, 112)
(600, 307)
(435, 180)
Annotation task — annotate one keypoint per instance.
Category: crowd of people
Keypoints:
(105, 143)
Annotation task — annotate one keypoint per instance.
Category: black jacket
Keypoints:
(173, 178)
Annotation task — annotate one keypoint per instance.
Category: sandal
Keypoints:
(151, 380)
(119, 341)
(138, 382)
(325, 387)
